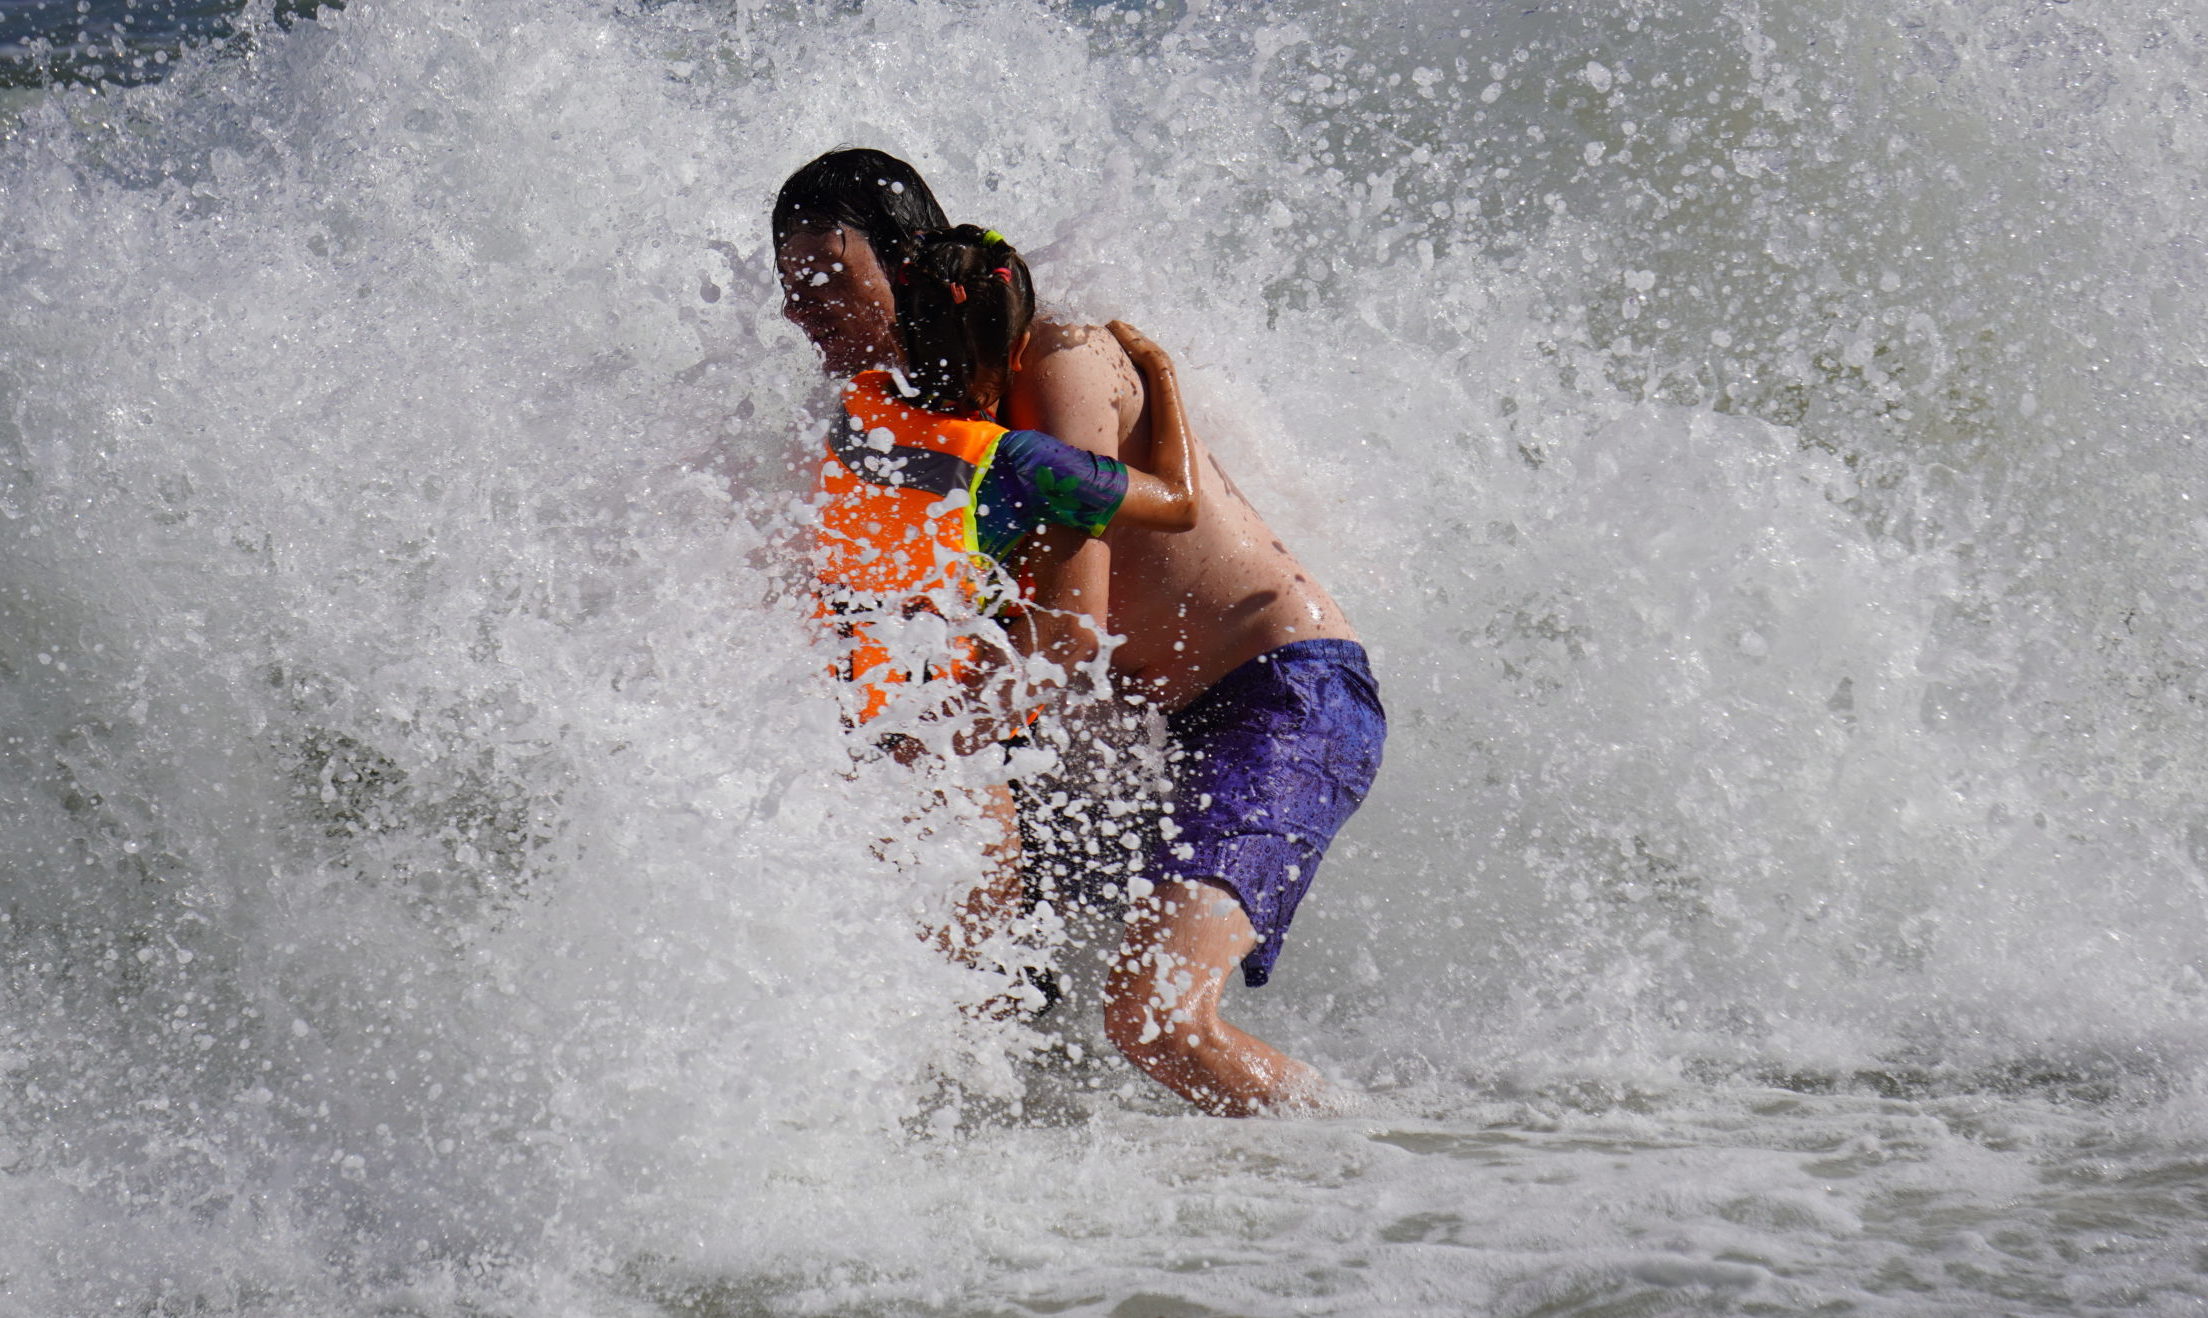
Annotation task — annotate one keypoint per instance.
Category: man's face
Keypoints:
(834, 289)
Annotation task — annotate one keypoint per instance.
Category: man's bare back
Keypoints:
(1193, 605)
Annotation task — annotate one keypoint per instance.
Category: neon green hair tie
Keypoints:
(993, 237)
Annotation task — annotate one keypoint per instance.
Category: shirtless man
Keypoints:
(1274, 719)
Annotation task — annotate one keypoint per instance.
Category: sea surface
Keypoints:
(1761, 444)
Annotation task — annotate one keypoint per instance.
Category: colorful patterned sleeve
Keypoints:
(1035, 480)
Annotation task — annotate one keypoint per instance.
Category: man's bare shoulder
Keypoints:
(1075, 382)
(1052, 338)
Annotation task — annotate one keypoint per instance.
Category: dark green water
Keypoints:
(123, 42)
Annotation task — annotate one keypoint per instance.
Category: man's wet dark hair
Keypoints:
(859, 188)
(964, 298)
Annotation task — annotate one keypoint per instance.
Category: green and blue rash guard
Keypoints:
(1034, 480)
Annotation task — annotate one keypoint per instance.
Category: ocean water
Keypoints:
(1760, 443)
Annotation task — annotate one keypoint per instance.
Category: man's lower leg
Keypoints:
(1161, 1005)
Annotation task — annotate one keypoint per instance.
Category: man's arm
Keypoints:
(1069, 578)
(1073, 383)
(1066, 575)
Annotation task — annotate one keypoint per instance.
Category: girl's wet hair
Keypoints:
(859, 188)
(963, 301)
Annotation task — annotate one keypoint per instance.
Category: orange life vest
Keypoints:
(897, 528)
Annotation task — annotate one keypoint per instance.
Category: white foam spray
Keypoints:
(1758, 443)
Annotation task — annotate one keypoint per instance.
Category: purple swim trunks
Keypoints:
(1267, 764)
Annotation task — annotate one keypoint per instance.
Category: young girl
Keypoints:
(930, 506)
(933, 513)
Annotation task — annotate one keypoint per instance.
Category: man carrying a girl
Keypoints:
(1273, 718)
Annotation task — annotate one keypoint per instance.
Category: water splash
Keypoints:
(1756, 442)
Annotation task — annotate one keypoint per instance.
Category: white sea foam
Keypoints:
(436, 881)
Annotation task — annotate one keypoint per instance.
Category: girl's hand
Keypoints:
(1139, 349)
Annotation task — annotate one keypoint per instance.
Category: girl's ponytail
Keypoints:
(964, 299)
